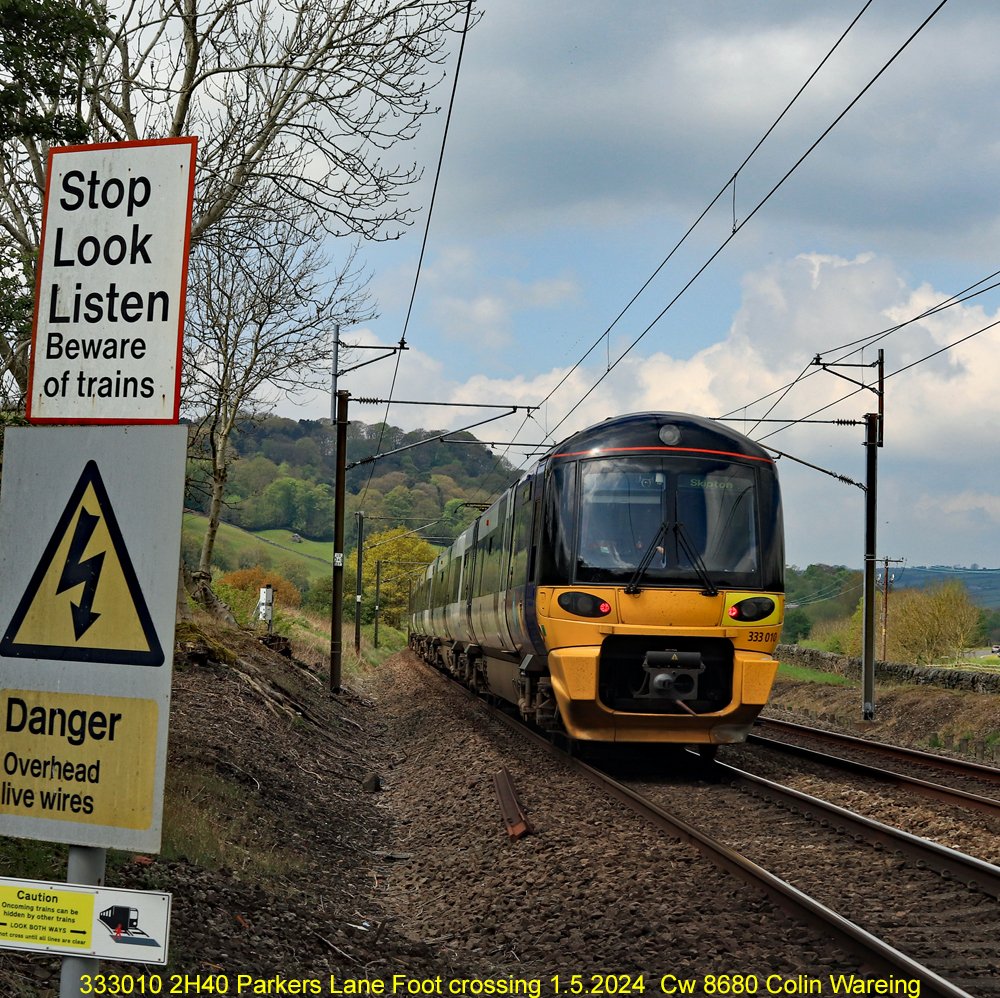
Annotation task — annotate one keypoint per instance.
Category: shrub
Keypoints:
(252, 580)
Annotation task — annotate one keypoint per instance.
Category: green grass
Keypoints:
(211, 822)
(801, 674)
(270, 548)
(321, 550)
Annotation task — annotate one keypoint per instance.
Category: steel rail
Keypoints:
(977, 873)
(961, 766)
(935, 791)
(874, 952)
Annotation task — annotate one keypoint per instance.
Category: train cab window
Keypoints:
(672, 513)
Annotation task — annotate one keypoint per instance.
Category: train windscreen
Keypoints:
(684, 516)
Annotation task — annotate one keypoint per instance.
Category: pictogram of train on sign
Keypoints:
(122, 923)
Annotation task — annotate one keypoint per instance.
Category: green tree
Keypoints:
(45, 47)
(797, 626)
(922, 625)
(401, 554)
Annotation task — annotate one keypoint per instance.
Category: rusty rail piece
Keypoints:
(514, 818)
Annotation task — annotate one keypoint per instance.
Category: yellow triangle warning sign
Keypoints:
(84, 602)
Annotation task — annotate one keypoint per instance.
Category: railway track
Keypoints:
(960, 782)
(933, 903)
(897, 903)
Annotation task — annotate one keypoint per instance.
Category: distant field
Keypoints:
(270, 548)
(322, 550)
(983, 584)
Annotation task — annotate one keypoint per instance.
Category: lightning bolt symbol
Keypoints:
(77, 571)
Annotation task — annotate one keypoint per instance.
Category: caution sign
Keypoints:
(77, 919)
(84, 602)
(45, 918)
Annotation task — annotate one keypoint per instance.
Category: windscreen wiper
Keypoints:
(686, 546)
(633, 584)
(696, 561)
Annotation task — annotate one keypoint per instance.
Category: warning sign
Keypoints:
(112, 278)
(90, 523)
(77, 919)
(84, 602)
(78, 758)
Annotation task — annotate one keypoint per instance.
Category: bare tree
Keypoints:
(261, 317)
(290, 99)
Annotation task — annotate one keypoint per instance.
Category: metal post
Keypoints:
(85, 866)
(885, 607)
(334, 373)
(337, 611)
(357, 585)
(872, 440)
(378, 586)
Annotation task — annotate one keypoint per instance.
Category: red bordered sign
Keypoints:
(112, 280)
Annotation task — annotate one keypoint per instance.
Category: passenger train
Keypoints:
(629, 588)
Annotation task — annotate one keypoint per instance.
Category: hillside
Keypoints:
(282, 471)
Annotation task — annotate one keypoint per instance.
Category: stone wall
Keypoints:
(844, 665)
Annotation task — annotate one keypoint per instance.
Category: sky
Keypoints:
(587, 138)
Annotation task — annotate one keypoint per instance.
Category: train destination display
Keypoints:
(109, 307)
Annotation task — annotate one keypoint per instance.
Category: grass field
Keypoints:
(305, 561)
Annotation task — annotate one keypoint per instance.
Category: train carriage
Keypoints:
(629, 588)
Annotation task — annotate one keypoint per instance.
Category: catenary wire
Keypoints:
(958, 298)
(738, 227)
(423, 244)
(729, 183)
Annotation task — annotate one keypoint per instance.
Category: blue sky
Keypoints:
(586, 138)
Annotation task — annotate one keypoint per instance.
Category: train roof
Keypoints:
(642, 430)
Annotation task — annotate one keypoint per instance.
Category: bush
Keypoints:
(252, 580)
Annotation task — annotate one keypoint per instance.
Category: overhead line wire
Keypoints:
(423, 244)
(729, 183)
(891, 374)
(958, 298)
(760, 204)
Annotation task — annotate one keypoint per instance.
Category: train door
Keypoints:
(517, 574)
(486, 578)
(505, 518)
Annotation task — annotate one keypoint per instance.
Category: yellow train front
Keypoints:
(628, 589)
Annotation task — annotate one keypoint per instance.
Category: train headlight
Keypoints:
(584, 604)
(670, 434)
(754, 608)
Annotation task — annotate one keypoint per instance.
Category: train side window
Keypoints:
(521, 536)
(556, 549)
